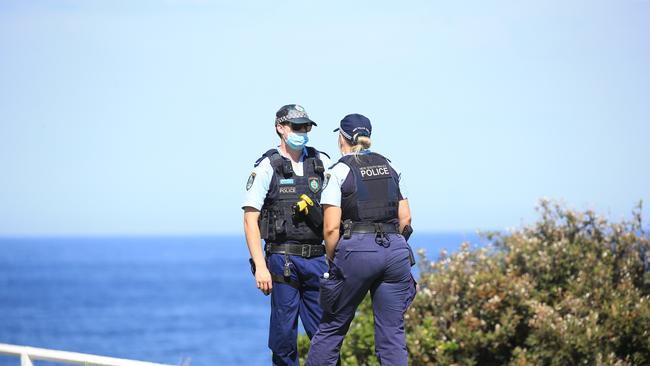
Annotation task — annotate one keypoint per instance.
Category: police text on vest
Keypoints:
(375, 171)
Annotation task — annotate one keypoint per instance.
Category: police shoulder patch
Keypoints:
(251, 179)
(326, 180)
(314, 184)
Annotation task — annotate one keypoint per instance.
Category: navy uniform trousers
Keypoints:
(287, 303)
(361, 264)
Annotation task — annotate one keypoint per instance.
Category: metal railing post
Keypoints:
(25, 360)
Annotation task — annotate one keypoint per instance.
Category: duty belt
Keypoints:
(303, 250)
(379, 228)
(368, 227)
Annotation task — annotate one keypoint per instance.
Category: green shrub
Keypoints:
(571, 289)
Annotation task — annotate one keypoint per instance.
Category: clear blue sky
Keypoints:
(144, 117)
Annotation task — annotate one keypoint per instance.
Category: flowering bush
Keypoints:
(571, 289)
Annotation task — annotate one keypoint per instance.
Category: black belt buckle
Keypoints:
(305, 251)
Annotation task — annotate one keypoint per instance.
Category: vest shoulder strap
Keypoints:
(348, 158)
(333, 165)
(276, 159)
(380, 156)
(278, 163)
(268, 154)
(345, 160)
(314, 154)
(324, 153)
(311, 152)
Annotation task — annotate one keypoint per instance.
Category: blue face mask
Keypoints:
(297, 141)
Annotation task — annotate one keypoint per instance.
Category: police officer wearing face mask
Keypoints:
(282, 207)
(365, 214)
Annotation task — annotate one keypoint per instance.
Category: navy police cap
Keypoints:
(354, 125)
(293, 113)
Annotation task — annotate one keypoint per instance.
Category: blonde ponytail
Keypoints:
(363, 143)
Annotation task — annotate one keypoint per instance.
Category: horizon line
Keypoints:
(185, 235)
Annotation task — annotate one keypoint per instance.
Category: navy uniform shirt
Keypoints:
(260, 179)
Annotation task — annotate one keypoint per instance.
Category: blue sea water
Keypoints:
(157, 299)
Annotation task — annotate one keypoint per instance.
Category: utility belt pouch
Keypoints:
(411, 256)
(315, 217)
(318, 166)
(287, 168)
(264, 225)
(308, 210)
(279, 226)
(347, 229)
(406, 233)
(287, 267)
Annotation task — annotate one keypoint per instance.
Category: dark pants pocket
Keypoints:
(412, 293)
(330, 290)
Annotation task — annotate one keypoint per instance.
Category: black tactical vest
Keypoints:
(370, 193)
(278, 223)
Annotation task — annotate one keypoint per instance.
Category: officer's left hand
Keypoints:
(263, 280)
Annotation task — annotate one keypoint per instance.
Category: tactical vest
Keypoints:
(371, 190)
(278, 223)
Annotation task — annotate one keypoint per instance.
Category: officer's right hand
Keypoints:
(263, 280)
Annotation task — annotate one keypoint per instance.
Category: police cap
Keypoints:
(355, 125)
(293, 113)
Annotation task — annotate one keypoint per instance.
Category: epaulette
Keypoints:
(267, 154)
(333, 165)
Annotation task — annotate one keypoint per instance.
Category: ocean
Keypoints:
(157, 299)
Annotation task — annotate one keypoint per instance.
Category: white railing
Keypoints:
(29, 354)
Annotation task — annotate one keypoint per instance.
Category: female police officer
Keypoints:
(294, 252)
(365, 194)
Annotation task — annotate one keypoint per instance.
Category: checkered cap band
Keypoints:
(360, 131)
(291, 115)
(345, 134)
